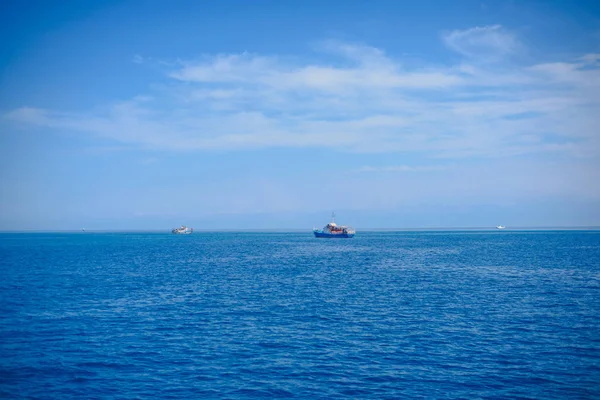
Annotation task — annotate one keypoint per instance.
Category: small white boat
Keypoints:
(182, 230)
(500, 227)
(332, 230)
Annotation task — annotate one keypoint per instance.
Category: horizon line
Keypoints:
(258, 230)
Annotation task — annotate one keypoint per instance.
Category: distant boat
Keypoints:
(500, 227)
(332, 230)
(182, 230)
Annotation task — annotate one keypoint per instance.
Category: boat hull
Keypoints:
(179, 231)
(321, 234)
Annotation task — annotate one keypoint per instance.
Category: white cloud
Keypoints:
(483, 43)
(137, 59)
(365, 67)
(226, 68)
(591, 58)
(577, 74)
(29, 115)
(362, 101)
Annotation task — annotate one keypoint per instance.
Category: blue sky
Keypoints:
(271, 114)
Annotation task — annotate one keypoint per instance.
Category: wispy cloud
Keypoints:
(483, 43)
(137, 59)
(359, 100)
(363, 68)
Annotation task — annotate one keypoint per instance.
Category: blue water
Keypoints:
(273, 315)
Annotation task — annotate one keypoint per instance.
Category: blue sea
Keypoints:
(385, 315)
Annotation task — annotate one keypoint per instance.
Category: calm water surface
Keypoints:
(273, 315)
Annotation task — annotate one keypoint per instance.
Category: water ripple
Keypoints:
(249, 315)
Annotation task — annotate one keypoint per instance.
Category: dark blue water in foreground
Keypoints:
(271, 315)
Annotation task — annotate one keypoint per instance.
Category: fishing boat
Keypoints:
(182, 230)
(332, 230)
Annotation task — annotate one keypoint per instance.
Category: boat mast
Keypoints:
(333, 218)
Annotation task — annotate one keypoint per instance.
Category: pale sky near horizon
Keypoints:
(272, 114)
